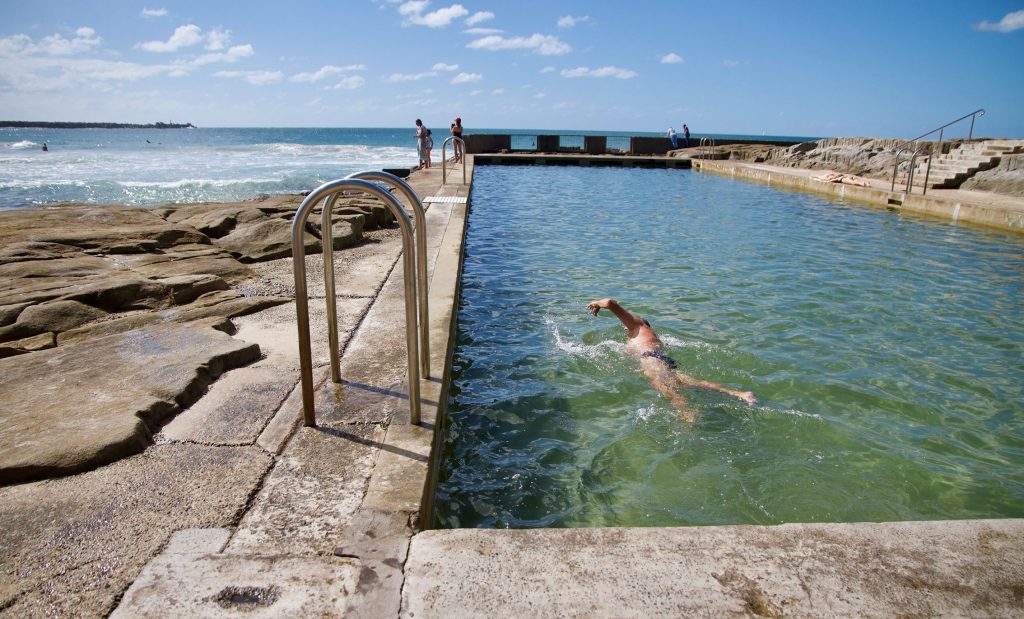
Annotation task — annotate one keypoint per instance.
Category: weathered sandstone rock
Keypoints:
(28, 344)
(79, 406)
(52, 316)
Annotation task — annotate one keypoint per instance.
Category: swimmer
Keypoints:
(645, 345)
(44, 147)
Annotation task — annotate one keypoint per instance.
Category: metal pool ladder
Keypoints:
(707, 146)
(444, 159)
(328, 192)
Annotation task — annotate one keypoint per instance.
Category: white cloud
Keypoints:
(56, 45)
(325, 71)
(1009, 23)
(234, 54)
(314, 102)
(256, 78)
(622, 74)
(409, 77)
(464, 77)
(413, 7)
(184, 36)
(498, 91)
(569, 21)
(548, 70)
(479, 17)
(539, 95)
(474, 93)
(217, 39)
(444, 67)
(33, 73)
(478, 31)
(413, 12)
(349, 83)
(53, 45)
(671, 58)
(731, 63)
(545, 45)
(154, 12)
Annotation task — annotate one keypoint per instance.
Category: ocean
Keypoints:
(146, 167)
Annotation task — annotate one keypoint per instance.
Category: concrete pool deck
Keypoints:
(335, 527)
(980, 208)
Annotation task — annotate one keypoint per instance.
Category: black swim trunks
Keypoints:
(669, 361)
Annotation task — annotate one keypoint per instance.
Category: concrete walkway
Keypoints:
(327, 531)
(980, 208)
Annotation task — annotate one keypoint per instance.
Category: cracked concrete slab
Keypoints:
(70, 546)
(952, 568)
(315, 487)
(234, 411)
(269, 586)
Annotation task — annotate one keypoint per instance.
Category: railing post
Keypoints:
(444, 158)
(328, 191)
(420, 224)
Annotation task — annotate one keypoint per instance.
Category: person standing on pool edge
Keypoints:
(660, 368)
(457, 132)
(421, 136)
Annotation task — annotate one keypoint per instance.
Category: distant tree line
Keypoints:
(67, 125)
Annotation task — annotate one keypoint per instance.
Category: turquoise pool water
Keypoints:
(887, 354)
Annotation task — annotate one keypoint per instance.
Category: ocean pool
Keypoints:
(887, 354)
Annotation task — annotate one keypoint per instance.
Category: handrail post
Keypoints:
(895, 167)
(327, 192)
(444, 162)
(444, 158)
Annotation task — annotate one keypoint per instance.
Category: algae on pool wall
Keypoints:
(885, 353)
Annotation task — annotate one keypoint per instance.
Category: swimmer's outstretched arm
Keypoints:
(689, 381)
(628, 320)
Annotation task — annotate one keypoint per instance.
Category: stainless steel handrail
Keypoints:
(706, 147)
(444, 158)
(978, 112)
(910, 170)
(419, 222)
(938, 148)
(328, 193)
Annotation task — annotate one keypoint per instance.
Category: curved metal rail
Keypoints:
(419, 222)
(910, 171)
(706, 147)
(444, 159)
(328, 192)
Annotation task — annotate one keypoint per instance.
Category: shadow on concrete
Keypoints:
(383, 391)
(355, 438)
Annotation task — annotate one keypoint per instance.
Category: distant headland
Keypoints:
(70, 125)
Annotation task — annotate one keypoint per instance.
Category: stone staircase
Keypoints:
(950, 170)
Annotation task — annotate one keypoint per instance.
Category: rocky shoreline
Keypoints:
(113, 318)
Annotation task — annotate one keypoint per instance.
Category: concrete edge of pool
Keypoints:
(387, 565)
(993, 211)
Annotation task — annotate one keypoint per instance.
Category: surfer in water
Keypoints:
(660, 369)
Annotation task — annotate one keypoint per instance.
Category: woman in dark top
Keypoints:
(457, 132)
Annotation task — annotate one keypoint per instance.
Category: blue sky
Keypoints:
(782, 68)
